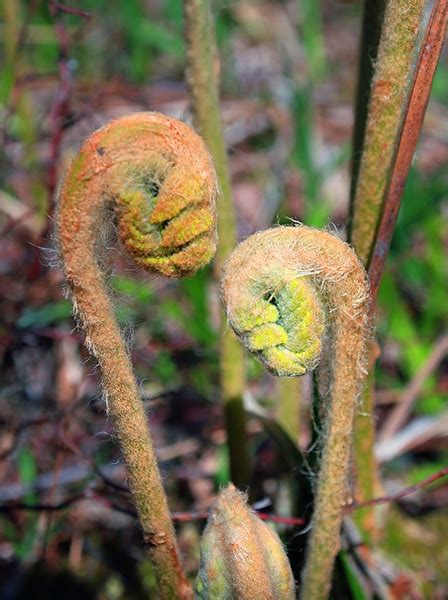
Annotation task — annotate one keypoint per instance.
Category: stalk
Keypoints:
(289, 406)
(202, 79)
(389, 98)
(405, 65)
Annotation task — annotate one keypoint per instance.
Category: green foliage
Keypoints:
(164, 368)
(53, 312)
(352, 579)
(412, 297)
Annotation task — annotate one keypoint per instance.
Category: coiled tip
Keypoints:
(157, 174)
(273, 306)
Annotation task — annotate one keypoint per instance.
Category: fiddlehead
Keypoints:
(153, 176)
(296, 295)
(241, 557)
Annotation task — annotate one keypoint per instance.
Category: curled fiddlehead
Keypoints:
(153, 177)
(298, 298)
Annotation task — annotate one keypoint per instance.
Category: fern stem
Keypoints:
(202, 81)
(289, 406)
(389, 97)
(378, 182)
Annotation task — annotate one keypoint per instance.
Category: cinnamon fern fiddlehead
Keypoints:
(153, 177)
(298, 297)
(242, 558)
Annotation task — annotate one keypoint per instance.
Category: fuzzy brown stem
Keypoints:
(202, 79)
(127, 413)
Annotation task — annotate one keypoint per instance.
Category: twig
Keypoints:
(203, 515)
(406, 492)
(180, 517)
(70, 10)
(399, 414)
(41, 507)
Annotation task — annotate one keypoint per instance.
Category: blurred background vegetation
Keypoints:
(288, 72)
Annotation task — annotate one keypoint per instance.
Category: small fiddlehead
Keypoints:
(153, 177)
(241, 557)
(297, 296)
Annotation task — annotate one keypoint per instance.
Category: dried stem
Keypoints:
(153, 176)
(202, 81)
(292, 294)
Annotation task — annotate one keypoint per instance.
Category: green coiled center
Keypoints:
(282, 324)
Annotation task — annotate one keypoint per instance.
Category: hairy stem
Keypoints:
(372, 21)
(391, 88)
(378, 182)
(153, 177)
(294, 294)
(202, 81)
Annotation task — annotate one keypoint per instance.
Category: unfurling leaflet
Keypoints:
(299, 298)
(241, 557)
(150, 176)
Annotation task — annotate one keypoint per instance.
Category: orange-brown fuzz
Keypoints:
(241, 557)
(329, 266)
(145, 170)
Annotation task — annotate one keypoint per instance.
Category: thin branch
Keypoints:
(407, 398)
(406, 492)
(203, 515)
(70, 10)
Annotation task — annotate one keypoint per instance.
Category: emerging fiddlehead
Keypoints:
(241, 557)
(296, 295)
(153, 175)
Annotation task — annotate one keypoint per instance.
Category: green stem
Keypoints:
(365, 464)
(372, 21)
(311, 37)
(203, 86)
(289, 406)
(394, 45)
(392, 83)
